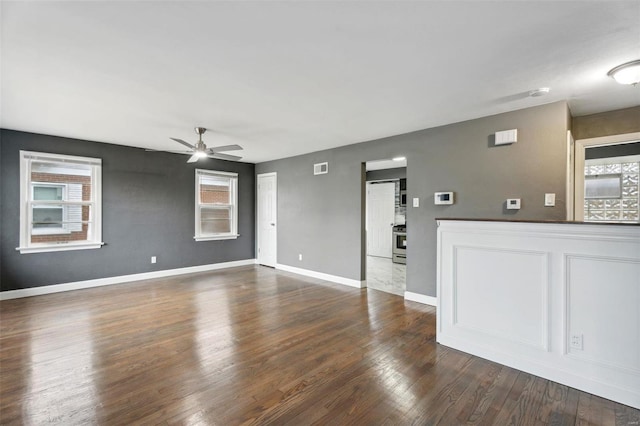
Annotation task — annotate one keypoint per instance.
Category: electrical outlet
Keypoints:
(153, 259)
(416, 202)
(300, 256)
(576, 342)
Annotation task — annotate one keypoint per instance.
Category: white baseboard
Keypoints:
(57, 288)
(327, 277)
(421, 298)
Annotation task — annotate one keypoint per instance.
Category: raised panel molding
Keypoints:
(540, 266)
(628, 290)
(579, 280)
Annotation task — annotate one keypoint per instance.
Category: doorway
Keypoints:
(267, 223)
(385, 197)
(607, 172)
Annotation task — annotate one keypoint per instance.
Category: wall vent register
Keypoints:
(506, 137)
(321, 168)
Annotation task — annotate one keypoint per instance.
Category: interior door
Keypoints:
(267, 223)
(380, 218)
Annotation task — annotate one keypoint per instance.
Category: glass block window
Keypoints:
(611, 189)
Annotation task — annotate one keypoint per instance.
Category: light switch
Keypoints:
(416, 202)
(549, 200)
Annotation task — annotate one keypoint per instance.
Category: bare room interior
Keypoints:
(349, 213)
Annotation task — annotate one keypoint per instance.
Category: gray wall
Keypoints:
(148, 210)
(321, 216)
(397, 173)
(620, 150)
(608, 123)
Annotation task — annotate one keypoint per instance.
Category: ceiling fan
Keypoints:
(200, 150)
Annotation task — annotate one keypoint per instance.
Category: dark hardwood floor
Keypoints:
(253, 345)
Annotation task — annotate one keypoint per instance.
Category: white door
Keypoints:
(380, 218)
(267, 219)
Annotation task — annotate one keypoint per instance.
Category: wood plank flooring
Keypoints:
(252, 345)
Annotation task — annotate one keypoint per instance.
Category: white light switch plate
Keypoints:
(549, 200)
(416, 202)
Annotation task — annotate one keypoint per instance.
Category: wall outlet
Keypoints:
(153, 259)
(416, 202)
(576, 342)
(300, 256)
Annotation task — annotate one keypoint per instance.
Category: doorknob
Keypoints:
(273, 224)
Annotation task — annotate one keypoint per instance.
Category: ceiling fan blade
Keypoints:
(224, 156)
(225, 148)
(171, 151)
(195, 157)
(183, 143)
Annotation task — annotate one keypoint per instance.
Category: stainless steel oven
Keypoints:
(400, 244)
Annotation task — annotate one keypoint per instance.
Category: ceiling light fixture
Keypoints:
(399, 158)
(539, 92)
(627, 73)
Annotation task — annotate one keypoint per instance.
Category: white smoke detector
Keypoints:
(539, 92)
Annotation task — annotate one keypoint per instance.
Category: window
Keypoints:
(60, 203)
(603, 186)
(216, 205)
(611, 189)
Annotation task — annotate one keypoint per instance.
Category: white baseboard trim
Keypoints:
(421, 298)
(78, 285)
(327, 277)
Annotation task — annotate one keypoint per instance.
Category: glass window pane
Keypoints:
(61, 224)
(215, 221)
(215, 190)
(48, 192)
(47, 216)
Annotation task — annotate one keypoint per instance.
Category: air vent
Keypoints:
(321, 168)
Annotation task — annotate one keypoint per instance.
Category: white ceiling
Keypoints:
(286, 78)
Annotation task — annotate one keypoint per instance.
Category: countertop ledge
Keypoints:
(564, 222)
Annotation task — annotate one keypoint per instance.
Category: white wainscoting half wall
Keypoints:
(558, 300)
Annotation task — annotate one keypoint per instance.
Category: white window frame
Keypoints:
(233, 187)
(26, 201)
(51, 231)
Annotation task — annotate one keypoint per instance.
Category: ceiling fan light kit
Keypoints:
(200, 150)
(627, 73)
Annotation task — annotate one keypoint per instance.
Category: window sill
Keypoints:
(52, 231)
(221, 237)
(58, 247)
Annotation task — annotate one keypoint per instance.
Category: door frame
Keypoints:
(580, 147)
(258, 176)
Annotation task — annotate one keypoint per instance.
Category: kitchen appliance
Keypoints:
(403, 193)
(400, 244)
